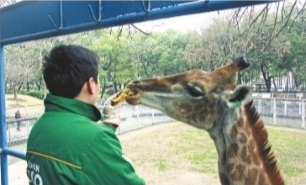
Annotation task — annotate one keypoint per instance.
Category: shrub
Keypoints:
(33, 93)
(36, 94)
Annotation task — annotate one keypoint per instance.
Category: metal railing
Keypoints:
(282, 112)
(15, 136)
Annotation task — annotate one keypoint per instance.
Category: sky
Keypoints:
(181, 23)
(189, 22)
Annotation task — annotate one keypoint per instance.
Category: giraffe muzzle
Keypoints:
(242, 62)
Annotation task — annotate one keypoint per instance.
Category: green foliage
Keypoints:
(275, 48)
(36, 94)
(33, 93)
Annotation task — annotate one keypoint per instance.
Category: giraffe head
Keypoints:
(195, 97)
(212, 101)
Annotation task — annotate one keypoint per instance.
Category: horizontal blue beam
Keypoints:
(30, 20)
(12, 152)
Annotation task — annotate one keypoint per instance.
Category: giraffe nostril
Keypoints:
(136, 82)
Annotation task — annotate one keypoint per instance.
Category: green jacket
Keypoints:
(69, 145)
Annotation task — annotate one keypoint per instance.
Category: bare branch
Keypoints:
(301, 11)
(286, 23)
(255, 20)
(264, 18)
(140, 30)
(275, 20)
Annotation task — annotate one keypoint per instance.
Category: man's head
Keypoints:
(72, 71)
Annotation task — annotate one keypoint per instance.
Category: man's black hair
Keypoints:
(67, 68)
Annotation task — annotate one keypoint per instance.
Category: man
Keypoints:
(18, 116)
(67, 144)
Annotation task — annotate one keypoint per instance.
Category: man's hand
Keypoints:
(111, 113)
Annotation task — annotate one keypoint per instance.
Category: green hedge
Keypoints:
(36, 94)
(33, 93)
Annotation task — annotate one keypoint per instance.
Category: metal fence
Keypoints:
(282, 112)
(15, 136)
(128, 117)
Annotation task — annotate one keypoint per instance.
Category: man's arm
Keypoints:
(104, 162)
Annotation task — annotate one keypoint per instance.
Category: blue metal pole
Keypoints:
(14, 153)
(4, 161)
(183, 9)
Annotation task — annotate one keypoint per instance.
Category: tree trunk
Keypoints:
(38, 83)
(266, 77)
(275, 86)
(115, 86)
(103, 87)
(28, 86)
(239, 78)
(16, 95)
(45, 89)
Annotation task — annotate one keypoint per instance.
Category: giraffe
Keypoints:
(214, 102)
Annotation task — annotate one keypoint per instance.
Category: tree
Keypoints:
(17, 67)
(115, 62)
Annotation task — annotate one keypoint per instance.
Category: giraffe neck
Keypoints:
(238, 150)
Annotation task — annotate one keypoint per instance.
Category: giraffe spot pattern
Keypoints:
(230, 167)
(251, 176)
(240, 123)
(234, 132)
(244, 154)
(263, 180)
(243, 138)
(238, 172)
(249, 159)
(248, 131)
(255, 160)
(232, 150)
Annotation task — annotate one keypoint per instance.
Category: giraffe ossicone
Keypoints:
(212, 101)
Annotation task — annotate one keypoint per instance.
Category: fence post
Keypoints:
(138, 112)
(153, 117)
(3, 139)
(274, 111)
(285, 107)
(27, 125)
(9, 133)
(119, 114)
(303, 114)
(259, 105)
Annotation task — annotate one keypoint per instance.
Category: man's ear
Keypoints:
(238, 97)
(90, 85)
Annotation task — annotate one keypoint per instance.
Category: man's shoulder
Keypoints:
(72, 123)
(73, 134)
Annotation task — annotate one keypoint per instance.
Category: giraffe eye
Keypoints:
(193, 90)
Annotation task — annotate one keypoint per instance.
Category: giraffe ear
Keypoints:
(239, 96)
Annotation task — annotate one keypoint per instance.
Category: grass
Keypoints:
(289, 146)
(198, 148)
(28, 105)
(162, 164)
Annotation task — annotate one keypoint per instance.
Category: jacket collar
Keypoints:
(61, 104)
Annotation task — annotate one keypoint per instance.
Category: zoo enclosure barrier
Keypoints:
(273, 111)
(128, 117)
(281, 112)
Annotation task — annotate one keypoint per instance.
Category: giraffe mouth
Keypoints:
(131, 97)
(134, 97)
